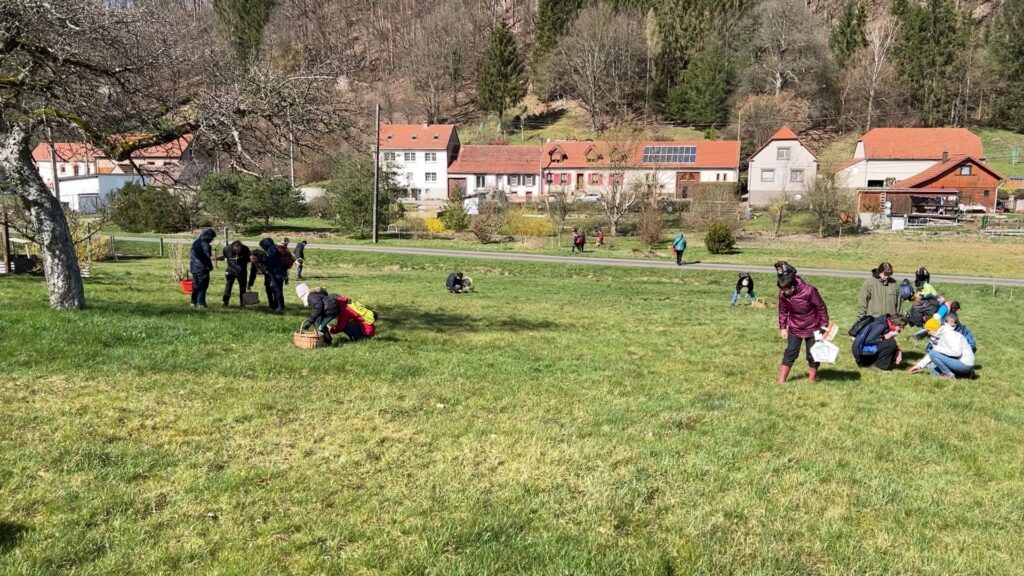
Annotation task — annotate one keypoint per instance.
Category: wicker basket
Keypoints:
(307, 340)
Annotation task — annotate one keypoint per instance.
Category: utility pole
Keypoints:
(291, 151)
(7, 246)
(376, 172)
(53, 164)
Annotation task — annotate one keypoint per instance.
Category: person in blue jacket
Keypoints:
(876, 346)
(200, 265)
(679, 246)
(274, 275)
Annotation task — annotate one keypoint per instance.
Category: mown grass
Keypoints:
(564, 420)
(999, 145)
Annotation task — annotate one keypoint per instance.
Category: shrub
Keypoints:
(434, 225)
(651, 224)
(521, 223)
(454, 214)
(148, 209)
(719, 239)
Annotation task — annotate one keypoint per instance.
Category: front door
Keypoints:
(683, 182)
(580, 181)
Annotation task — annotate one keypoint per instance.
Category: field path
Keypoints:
(592, 260)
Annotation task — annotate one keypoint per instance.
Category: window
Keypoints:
(876, 183)
(549, 177)
(985, 194)
(414, 193)
(796, 175)
(566, 179)
(965, 170)
(596, 179)
(513, 179)
(615, 179)
(410, 156)
(408, 177)
(529, 180)
(783, 153)
(430, 157)
(63, 169)
(481, 181)
(431, 177)
(390, 156)
(670, 154)
(767, 175)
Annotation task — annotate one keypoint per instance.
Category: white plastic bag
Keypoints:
(825, 351)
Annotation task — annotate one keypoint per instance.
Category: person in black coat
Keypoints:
(200, 265)
(274, 275)
(876, 346)
(300, 258)
(237, 256)
(744, 283)
(325, 309)
(455, 283)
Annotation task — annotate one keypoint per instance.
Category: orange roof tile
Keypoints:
(497, 159)
(942, 168)
(83, 151)
(847, 163)
(920, 143)
(573, 154)
(416, 136)
(784, 133)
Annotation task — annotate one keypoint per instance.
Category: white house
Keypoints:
(782, 168)
(885, 156)
(580, 167)
(159, 165)
(419, 154)
(513, 170)
(86, 193)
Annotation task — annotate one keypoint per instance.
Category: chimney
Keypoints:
(426, 124)
(945, 155)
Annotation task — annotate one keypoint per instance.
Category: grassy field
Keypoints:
(564, 420)
(999, 145)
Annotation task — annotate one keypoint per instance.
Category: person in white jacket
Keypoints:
(951, 354)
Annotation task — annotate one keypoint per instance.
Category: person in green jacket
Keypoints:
(880, 294)
(679, 245)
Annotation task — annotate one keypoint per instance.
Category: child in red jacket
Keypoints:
(351, 322)
(802, 313)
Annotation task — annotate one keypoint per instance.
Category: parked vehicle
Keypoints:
(589, 197)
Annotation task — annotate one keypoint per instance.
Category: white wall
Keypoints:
(499, 182)
(800, 158)
(666, 179)
(101, 186)
(859, 175)
(46, 171)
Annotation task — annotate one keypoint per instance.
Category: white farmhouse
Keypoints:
(781, 169)
(512, 170)
(885, 156)
(419, 155)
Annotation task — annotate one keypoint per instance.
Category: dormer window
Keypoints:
(436, 137)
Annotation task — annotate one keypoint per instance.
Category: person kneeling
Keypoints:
(951, 354)
(876, 344)
(325, 307)
(457, 283)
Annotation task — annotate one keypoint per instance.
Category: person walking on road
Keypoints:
(200, 265)
(679, 246)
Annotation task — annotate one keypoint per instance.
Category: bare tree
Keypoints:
(789, 48)
(601, 62)
(96, 72)
(827, 201)
(619, 196)
(873, 70)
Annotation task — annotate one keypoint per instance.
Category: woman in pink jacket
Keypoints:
(802, 312)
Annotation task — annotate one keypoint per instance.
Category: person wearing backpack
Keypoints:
(287, 260)
(354, 320)
(802, 314)
(745, 282)
(274, 275)
(875, 345)
(880, 294)
(679, 246)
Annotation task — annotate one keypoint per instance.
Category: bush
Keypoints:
(651, 225)
(521, 223)
(148, 209)
(434, 225)
(454, 214)
(719, 239)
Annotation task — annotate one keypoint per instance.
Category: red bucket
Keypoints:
(186, 286)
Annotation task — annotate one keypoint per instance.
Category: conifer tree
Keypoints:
(553, 18)
(501, 84)
(702, 93)
(848, 35)
(245, 21)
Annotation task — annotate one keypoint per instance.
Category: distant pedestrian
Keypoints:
(300, 258)
(583, 240)
(274, 276)
(782, 268)
(744, 284)
(576, 240)
(802, 314)
(200, 265)
(600, 238)
(679, 246)
(237, 257)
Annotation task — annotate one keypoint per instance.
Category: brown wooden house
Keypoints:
(975, 181)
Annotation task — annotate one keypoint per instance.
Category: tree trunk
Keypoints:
(63, 277)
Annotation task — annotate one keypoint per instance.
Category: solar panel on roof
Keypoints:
(670, 154)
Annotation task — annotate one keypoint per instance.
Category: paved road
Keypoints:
(621, 262)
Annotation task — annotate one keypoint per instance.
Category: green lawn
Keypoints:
(570, 125)
(999, 145)
(564, 420)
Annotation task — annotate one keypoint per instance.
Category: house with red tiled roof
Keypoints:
(885, 156)
(581, 167)
(512, 170)
(419, 155)
(783, 167)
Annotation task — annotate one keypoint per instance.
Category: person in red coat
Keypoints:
(351, 322)
(802, 312)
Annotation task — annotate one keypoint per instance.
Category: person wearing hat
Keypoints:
(325, 308)
(745, 282)
(200, 265)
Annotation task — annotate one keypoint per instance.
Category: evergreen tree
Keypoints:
(934, 38)
(1007, 51)
(553, 18)
(500, 84)
(702, 93)
(848, 35)
(454, 215)
(245, 21)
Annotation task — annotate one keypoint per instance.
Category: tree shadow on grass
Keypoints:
(547, 118)
(10, 534)
(409, 318)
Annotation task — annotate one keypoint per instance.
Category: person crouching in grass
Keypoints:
(325, 309)
(951, 355)
(802, 312)
(876, 344)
